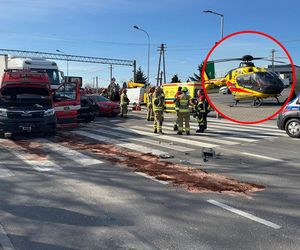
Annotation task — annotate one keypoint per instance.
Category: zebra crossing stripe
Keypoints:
(227, 140)
(253, 127)
(135, 129)
(156, 143)
(255, 131)
(239, 129)
(261, 125)
(38, 165)
(41, 165)
(71, 154)
(234, 131)
(126, 145)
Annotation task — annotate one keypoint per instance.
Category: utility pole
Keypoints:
(97, 84)
(134, 71)
(273, 58)
(161, 56)
(161, 77)
(110, 72)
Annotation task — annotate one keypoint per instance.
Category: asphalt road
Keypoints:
(244, 111)
(70, 199)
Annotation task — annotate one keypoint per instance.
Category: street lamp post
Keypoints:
(222, 30)
(138, 28)
(222, 20)
(67, 60)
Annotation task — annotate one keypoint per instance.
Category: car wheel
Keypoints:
(292, 128)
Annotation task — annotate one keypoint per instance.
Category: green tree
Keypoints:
(140, 76)
(197, 77)
(175, 79)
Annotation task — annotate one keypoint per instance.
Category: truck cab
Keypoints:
(26, 103)
(32, 63)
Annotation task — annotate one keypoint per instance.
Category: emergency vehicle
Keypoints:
(26, 103)
(170, 89)
(32, 63)
(289, 118)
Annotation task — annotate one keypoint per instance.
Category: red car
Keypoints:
(106, 106)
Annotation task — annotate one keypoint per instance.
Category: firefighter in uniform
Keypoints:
(124, 101)
(150, 113)
(158, 104)
(202, 109)
(179, 92)
(183, 102)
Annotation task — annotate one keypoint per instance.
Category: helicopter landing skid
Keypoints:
(276, 97)
(257, 102)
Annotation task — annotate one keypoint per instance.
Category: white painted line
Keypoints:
(251, 128)
(262, 125)
(141, 149)
(119, 143)
(155, 143)
(152, 178)
(169, 138)
(42, 165)
(71, 154)
(244, 214)
(5, 242)
(249, 131)
(93, 136)
(227, 140)
(262, 157)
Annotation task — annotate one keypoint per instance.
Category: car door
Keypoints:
(66, 101)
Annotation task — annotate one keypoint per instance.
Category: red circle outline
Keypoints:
(257, 33)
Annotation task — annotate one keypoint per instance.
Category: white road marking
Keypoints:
(224, 121)
(232, 128)
(248, 128)
(262, 157)
(41, 165)
(141, 149)
(97, 137)
(244, 214)
(119, 143)
(71, 154)
(152, 178)
(38, 165)
(5, 242)
(169, 138)
(224, 140)
(155, 143)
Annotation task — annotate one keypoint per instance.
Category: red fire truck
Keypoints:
(27, 103)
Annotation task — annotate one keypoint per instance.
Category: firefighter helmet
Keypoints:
(184, 89)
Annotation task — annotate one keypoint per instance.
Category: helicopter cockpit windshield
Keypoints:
(264, 82)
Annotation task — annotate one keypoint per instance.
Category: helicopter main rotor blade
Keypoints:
(270, 60)
(226, 60)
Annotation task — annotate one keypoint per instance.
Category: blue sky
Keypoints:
(103, 28)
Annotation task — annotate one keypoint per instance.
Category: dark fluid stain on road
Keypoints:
(179, 175)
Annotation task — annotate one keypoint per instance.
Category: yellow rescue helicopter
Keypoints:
(248, 82)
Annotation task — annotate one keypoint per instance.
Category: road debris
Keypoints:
(178, 175)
